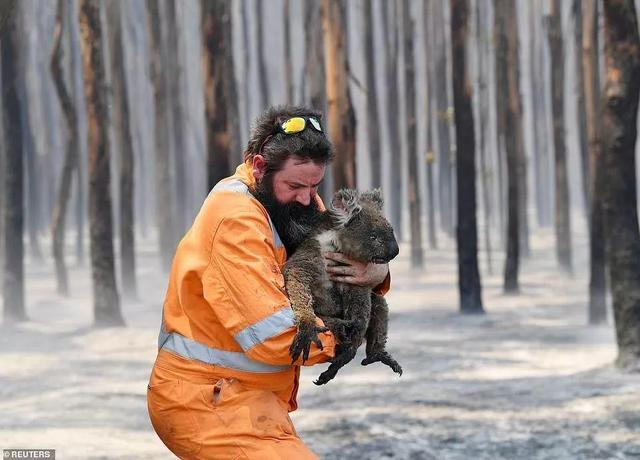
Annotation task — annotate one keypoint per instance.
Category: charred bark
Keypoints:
(174, 71)
(288, 67)
(466, 231)
(429, 110)
(591, 71)
(391, 46)
(314, 81)
(105, 294)
(263, 76)
(510, 112)
(619, 135)
(70, 158)
(163, 179)
(342, 119)
(580, 102)
(410, 106)
(373, 120)
(127, 162)
(216, 23)
(13, 199)
(563, 217)
(445, 154)
(482, 49)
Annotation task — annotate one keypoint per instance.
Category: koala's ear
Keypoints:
(345, 204)
(373, 196)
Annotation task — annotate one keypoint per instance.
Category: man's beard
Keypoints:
(293, 221)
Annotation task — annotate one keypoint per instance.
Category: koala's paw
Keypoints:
(324, 378)
(306, 334)
(385, 358)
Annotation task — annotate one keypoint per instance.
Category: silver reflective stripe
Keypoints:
(269, 327)
(276, 237)
(235, 185)
(190, 349)
(238, 186)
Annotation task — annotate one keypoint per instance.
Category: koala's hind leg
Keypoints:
(377, 335)
(357, 303)
(345, 352)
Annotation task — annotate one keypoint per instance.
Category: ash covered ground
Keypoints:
(527, 380)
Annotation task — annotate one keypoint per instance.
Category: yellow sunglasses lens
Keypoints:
(293, 125)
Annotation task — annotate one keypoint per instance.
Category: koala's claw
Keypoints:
(326, 376)
(306, 334)
(322, 380)
(384, 358)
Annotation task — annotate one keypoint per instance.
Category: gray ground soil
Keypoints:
(528, 380)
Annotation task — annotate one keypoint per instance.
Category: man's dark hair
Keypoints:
(267, 139)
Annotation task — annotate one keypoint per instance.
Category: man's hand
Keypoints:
(344, 270)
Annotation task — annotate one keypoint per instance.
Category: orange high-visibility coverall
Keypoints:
(223, 382)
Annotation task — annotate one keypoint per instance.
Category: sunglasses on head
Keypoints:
(295, 125)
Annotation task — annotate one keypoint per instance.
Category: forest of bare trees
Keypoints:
(481, 121)
(502, 133)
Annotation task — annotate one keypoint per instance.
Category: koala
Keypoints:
(355, 227)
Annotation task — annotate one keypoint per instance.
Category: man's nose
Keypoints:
(304, 197)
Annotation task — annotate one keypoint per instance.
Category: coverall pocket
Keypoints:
(244, 411)
(174, 423)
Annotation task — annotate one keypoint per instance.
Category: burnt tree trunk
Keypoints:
(314, 81)
(216, 24)
(246, 61)
(619, 135)
(482, 50)
(410, 107)
(444, 157)
(591, 72)
(174, 71)
(515, 106)
(539, 127)
(75, 62)
(70, 158)
(391, 46)
(288, 67)
(580, 102)
(510, 112)
(314, 71)
(13, 199)
(562, 204)
(163, 179)
(373, 120)
(263, 77)
(105, 294)
(342, 119)
(428, 127)
(127, 164)
(466, 231)
(33, 202)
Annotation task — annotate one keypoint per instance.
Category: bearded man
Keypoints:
(223, 381)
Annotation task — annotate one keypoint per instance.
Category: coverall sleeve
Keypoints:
(383, 288)
(244, 271)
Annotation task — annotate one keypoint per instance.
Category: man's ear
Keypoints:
(259, 166)
(345, 204)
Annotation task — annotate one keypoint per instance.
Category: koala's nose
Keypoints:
(394, 250)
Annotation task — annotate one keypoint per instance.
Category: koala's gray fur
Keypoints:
(356, 228)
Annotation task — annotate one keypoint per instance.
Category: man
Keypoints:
(223, 381)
